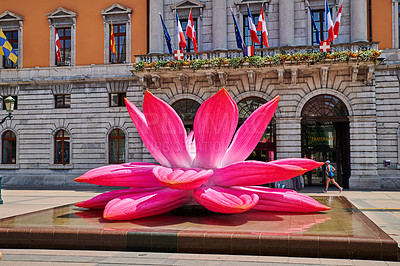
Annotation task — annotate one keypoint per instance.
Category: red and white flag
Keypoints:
(324, 46)
(179, 32)
(262, 26)
(337, 22)
(252, 28)
(329, 22)
(58, 46)
(178, 54)
(190, 31)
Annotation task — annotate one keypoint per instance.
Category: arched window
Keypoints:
(9, 144)
(266, 149)
(61, 148)
(116, 146)
(324, 106)
(186, 110)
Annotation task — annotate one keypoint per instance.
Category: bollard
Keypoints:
(1, 201)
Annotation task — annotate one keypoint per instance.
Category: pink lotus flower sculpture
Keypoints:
(207, 166)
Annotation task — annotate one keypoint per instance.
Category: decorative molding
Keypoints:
(116, 9)
(211, 79)
(280, 71)
(61, 13)
(117, 86)
(251, 75)
(324, 76)
(157, 80)
(146, 81)
(9, 90)
(294, 76)
(353, 73)
(370, 74)
(8, 16)
(184, 79)
(223, 76)
(62, 88)
(188, 5)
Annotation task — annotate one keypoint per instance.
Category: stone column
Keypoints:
(156, 32)
(219, 24)
(358, 13)
(286, 22)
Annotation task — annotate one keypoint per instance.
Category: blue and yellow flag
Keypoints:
(6, 48)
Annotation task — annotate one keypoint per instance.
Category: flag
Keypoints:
(179, 32)
(6, 49)
(337, 22)
(58, 46)
(324, 46)
(239, 40)
(313, 23)
(328, 21)
(262, 26)
(190, 31)
(178, 54)
(252, 28)
(249, 51)
(112, 43)
(166, 35)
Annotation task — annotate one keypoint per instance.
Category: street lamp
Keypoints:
(9, 102)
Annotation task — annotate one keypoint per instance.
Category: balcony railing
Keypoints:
(261, 52)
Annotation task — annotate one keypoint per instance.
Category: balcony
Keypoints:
(358, 46)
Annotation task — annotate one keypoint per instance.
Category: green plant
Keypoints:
(256, 61)
(236, 62)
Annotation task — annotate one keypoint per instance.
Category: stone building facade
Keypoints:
(362, 132)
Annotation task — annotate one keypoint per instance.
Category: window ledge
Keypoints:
(61, 166)
(9, 166)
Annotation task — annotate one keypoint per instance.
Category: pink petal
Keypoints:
(250, 133)
(249, 173)
(301, 162)
(141, 125)
(100, 201)
(283, 200)
(138, 205)
(214, 125)
(224, 200)
(180, 178)
(124, 175)
(191, 145)
(167, 129)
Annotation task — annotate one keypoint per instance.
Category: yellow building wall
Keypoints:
(89, 28)
(382, 23)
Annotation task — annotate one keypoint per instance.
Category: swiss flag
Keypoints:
(262, 26)
(58, 46)
(337, 22)
(190, 31)
(179, 32)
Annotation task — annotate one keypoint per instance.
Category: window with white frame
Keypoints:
(120, 18)
(11, 24)
(62, 23)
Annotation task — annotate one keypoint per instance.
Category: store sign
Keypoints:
(321, 138)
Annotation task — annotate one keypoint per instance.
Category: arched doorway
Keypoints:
(325, 136)
(186, 109)
(266, 149)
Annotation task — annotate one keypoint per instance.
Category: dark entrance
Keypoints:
(265, 150)
(325, 136)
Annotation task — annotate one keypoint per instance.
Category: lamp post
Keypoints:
(9, 102)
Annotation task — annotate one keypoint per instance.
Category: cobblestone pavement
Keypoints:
(382, 207)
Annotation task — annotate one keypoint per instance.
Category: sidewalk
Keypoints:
(382, 207)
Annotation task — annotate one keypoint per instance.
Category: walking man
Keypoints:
(330, 176)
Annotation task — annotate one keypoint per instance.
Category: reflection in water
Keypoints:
(342, 220)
